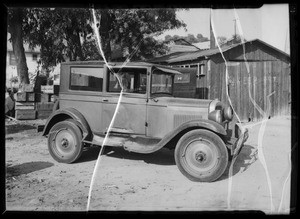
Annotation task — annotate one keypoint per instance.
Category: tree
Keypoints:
(189, 38)
(221, 39)
(67, 34)
(15, 22)
(237, 39)
(133, 29)
(58, 31)
(234, 40)
(201, 38)
(168, 37)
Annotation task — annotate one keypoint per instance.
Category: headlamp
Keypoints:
(216, 116)
(228, 113)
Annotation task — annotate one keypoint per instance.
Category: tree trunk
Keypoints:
(15, 29)
(104, 34)
(79, 52)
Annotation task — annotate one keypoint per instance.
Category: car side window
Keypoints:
(162, 83)
(133, 80)
(86, 79)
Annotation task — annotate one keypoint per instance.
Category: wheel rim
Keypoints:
(64, 144)
(200, 157)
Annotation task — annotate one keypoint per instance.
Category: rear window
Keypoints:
(86, 78)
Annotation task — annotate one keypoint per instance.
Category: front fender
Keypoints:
(177, 133)
(63, 114)
(194, 124)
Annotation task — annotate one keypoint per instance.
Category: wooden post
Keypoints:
(208, 76)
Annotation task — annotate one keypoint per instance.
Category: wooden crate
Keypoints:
(43, 98)
(45, 106)
(21, 97)
(24, 106)
(47, 89)
(22, 114)
(56, 89)
(27, 88)
(43, 114)
(30, 96)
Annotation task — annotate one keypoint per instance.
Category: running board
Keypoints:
(110, 141)
(120, 131)
(138, 144)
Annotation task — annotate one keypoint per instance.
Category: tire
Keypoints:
(64, 142)
(201, 155)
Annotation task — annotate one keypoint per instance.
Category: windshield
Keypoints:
(162, 83)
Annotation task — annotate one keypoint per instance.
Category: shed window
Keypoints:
(86, 78)
(200, 70)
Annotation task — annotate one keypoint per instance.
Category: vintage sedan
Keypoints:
(149, 117)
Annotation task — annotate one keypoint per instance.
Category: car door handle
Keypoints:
(105, 100)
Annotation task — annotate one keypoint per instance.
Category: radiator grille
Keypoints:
(180, 119)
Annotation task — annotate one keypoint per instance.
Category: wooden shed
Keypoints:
(258, 74)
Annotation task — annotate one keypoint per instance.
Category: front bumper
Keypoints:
(236, 144)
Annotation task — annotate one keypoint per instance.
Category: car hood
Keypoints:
(183, 102)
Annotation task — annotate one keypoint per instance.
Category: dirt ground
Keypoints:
(145, 182)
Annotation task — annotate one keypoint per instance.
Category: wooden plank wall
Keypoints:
(202, 83)
(255, 79)
(250, 82)
(198, 86)
(186, 90)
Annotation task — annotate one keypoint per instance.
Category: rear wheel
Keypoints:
(201, 155)
(64, 142)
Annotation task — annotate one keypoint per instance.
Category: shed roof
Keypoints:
(190, 56)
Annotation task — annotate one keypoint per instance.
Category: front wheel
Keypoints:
(201, 155)
(64, 142)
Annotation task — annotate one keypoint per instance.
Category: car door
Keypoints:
(131, 114)
(161, 83)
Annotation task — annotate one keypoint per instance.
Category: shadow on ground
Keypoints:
(26, 168)
(15, 128)
(89, 154)
(165, 157)
(242, 162)
(161, 157)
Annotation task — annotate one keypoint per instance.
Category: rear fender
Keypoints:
(63, 114)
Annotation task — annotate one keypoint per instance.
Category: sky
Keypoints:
(270, 23)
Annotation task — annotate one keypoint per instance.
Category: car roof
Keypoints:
(123, 64)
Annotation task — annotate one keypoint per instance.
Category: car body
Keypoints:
(148, 117)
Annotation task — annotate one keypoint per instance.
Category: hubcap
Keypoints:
(200, 157)
(64, 143)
